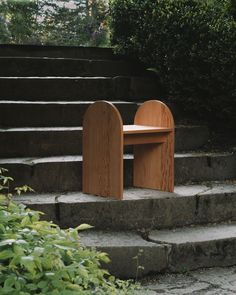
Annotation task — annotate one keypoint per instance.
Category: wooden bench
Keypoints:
(104, 138)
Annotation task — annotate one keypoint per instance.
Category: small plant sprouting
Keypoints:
(5, 182)
(138, 266)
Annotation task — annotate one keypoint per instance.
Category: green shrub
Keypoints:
(190, 43)
(37, 257)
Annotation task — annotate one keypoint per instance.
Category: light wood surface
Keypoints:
(144, 138)
(103, 151)
(132, 129)
(104, 137)
(154, 163)
(154, 113)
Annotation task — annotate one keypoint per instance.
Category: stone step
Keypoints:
(43, 67)
(64, 173)
(10, 50)
(178, 250)
(24, 113)
(141, 209)
(55, 113)
(78, 88)
(57, 141)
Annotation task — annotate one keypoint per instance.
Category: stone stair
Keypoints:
(45, 91)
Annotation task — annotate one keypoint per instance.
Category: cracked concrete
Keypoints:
(140, 209)
(215, 281)
(200, 246)
(130, 254)
(65, 172)
(165, 250)
(143, 211)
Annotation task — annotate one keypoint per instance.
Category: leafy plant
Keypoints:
(37, 257)
(190, 43)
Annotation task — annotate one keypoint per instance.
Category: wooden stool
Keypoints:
(104, 138)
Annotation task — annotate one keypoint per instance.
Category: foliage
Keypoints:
(37, 257)
(64, 22)
(190, 43)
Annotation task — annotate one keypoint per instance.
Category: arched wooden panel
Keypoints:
(154, 113)
(154, 163)
(103, 151)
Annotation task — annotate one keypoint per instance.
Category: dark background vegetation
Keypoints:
(65, 22)
(191, 44)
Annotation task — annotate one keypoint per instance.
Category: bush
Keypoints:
(190, 43)
(37, 257)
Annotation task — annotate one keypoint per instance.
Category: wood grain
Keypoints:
(104, 137)
(103, 151)
(154, 163)
(133, 129)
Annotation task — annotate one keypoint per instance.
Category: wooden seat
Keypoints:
(104, 138)
(140, 134)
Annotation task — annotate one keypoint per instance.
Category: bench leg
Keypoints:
(154, 165)
(103, 151)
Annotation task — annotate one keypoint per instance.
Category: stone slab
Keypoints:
(57, 141)
(56, 113)
(219, 277)
(189, 138)
(65, 172)
(217, 203)
(77, 88)
(213, 281)
(141, 209)
(56, 51)
(196, 247)
(127, 252)
(204, 166)
(68, 67)
(179, 284)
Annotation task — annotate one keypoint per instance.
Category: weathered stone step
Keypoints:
(141, 209)
(56, 51)
(167, 250)
(77, 88)
(57, 141)
(43, 67)
(64, 173)
(55, 113)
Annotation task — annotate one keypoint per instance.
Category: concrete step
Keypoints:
(10, 50)
(78, 88)
(178, 250)
(68, 67)
(57, 141)
(55, 113)
(64, 173)
(141, 209)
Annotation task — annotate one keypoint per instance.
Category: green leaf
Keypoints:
(28, 263)
(9, 282)
(84, 226)
(7, 242)
(6, 254)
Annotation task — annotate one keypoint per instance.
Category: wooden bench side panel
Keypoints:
(154, 163)
(154, 113)
(103, 151)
